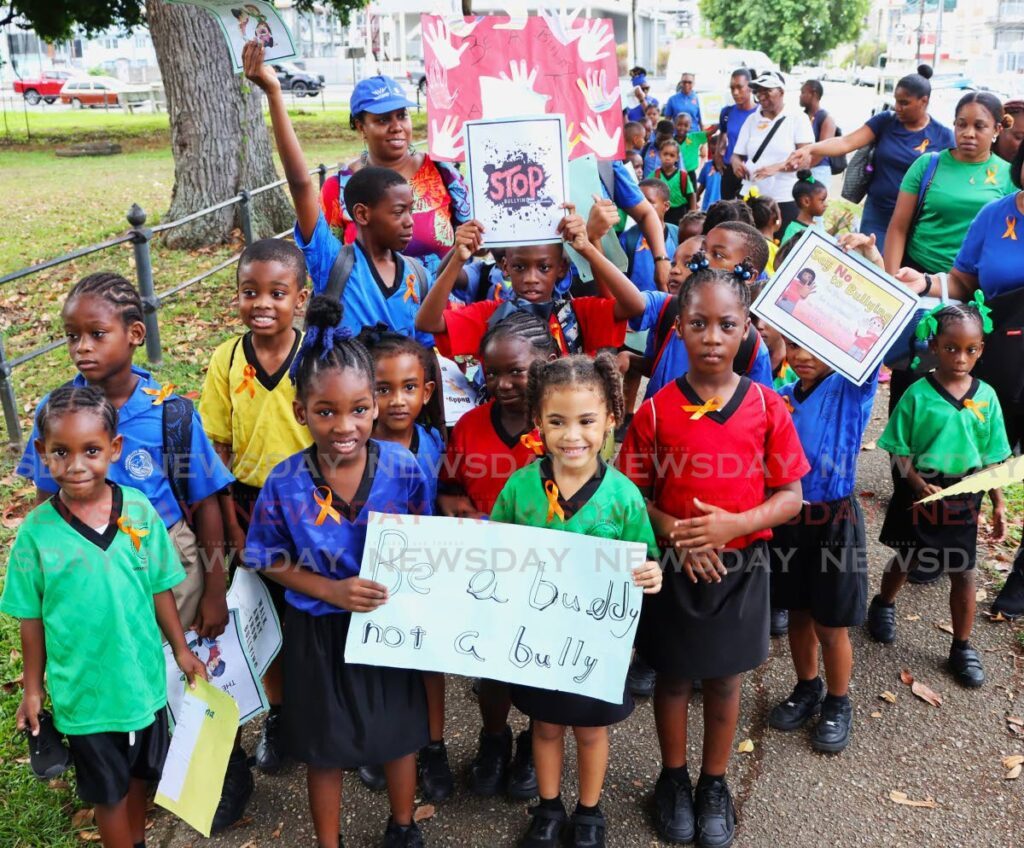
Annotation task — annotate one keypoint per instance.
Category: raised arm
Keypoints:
(305, 194)
(628, 301)
(430, 315)
(650, 225)
(896, 236)
(836, 146)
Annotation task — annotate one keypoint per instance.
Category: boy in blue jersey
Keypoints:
(383, 286)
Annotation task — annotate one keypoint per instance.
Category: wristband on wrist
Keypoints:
(927, 285)
(662, 259)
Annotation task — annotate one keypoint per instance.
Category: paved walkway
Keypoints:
(786, 794)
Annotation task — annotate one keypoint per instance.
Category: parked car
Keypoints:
(296, 80)
(417, 76)
(867, 76)
(103, 91)
(46, 86)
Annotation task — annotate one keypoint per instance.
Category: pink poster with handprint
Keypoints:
(497, 67)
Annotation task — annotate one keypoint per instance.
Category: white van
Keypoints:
(712, 67)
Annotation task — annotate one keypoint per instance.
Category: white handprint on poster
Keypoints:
(511, 65)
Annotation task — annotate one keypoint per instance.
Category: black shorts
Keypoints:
(245, 501)
(342, 715)
(105, 763)
(819, 563)
(942, 535)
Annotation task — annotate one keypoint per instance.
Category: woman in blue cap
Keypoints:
(641, 89)
(380, 114)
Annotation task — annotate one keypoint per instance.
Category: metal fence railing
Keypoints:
(140, 237)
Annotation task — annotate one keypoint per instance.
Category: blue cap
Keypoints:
(378, 95)
(639, 79)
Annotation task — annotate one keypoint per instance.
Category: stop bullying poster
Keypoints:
(511, 67)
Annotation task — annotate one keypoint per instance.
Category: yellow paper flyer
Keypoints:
(193, 775)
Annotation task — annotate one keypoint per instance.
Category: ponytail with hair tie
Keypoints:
(744, 271)
(985, 311)
(698, 262)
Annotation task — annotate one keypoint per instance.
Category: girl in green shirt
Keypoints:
(811, 196)
(575, 402)
(947, 425)
(103, 657)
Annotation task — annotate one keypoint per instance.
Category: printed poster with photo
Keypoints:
(244, 21)
(844, 310)
(493, 66)
(518, 178)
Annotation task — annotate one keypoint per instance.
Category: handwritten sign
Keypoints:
(842, 309)
(501, 67)
(526, 605)
(517, 178)
(260, 626)
(244, 20)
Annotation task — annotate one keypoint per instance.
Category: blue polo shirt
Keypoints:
(652, 160)
(428, 448)
(366, 300)
(143, 465)
(284, 527)
(626, 192)
(993, 250)
(679, 103)
(641, 266)
(637, 112)
(830, 420)
(711, 180)
(896, 148)
(731, 121)
(675, 361)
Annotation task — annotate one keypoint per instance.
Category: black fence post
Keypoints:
(245, 215)
(7, 399)
(141, 236)
(321, 171)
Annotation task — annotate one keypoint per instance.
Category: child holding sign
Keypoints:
(947, 425)
(720, 462)
(575, 403)
(307, 533)
(90, 577)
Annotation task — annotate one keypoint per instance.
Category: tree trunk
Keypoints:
(218, 135)
(467, 8)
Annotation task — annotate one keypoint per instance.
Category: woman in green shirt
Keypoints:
(964, 180)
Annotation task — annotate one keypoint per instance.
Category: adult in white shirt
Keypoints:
(762, 164)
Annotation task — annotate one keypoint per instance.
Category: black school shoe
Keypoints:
(586, 830)
(674, 818)
(832, 732)
(373, 778)
(268, 756)
(640, 678)
(801, 705)
(716, 816)
(436, 780)
(779, 625)
(48, 755)
(489, 768)
(965, 664)
(402, 836)
(1010, 600)
(546, 827)
(238, 786)
(881, 621)
(522, 776)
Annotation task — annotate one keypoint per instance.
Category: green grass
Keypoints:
(52, 205)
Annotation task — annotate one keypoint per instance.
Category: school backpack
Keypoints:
(177, 446)
(745, 356)
(1000, 362)
(341, 270)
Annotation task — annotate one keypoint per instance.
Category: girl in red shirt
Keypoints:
(720, 462)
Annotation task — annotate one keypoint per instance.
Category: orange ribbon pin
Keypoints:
(1011, 228)
(789, 404)
(554, 507)
(324, 502)
(990, 176)
(248, 381)
(161, 394)
(125, 526)
(531, 442)
(410, 289)
(700, 410)
(976, 407)
(923, 146)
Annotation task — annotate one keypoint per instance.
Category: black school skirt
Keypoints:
(570, 709)
(699, 631)
(819, 563)
(342, 715)
(943, 535)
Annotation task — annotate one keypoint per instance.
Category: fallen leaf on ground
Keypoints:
(945, 627)
(888, 696)
(980, 596)
(1011, 719)
(876, 714)
(638, 783)
(913, 617)
(1013, 760)
(926, 693)
(1013, 773)
(58, 783)
(83, 818)
(276, 834)
(997, 617)
(869, 446)
(745, 747)
(89, 835)
(423, 813)
(10, 519)
(11, 685)
(867, 494)
(906, 677)
(250, 844)
(902, 798)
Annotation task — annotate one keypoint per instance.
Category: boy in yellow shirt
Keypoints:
(246, 408)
